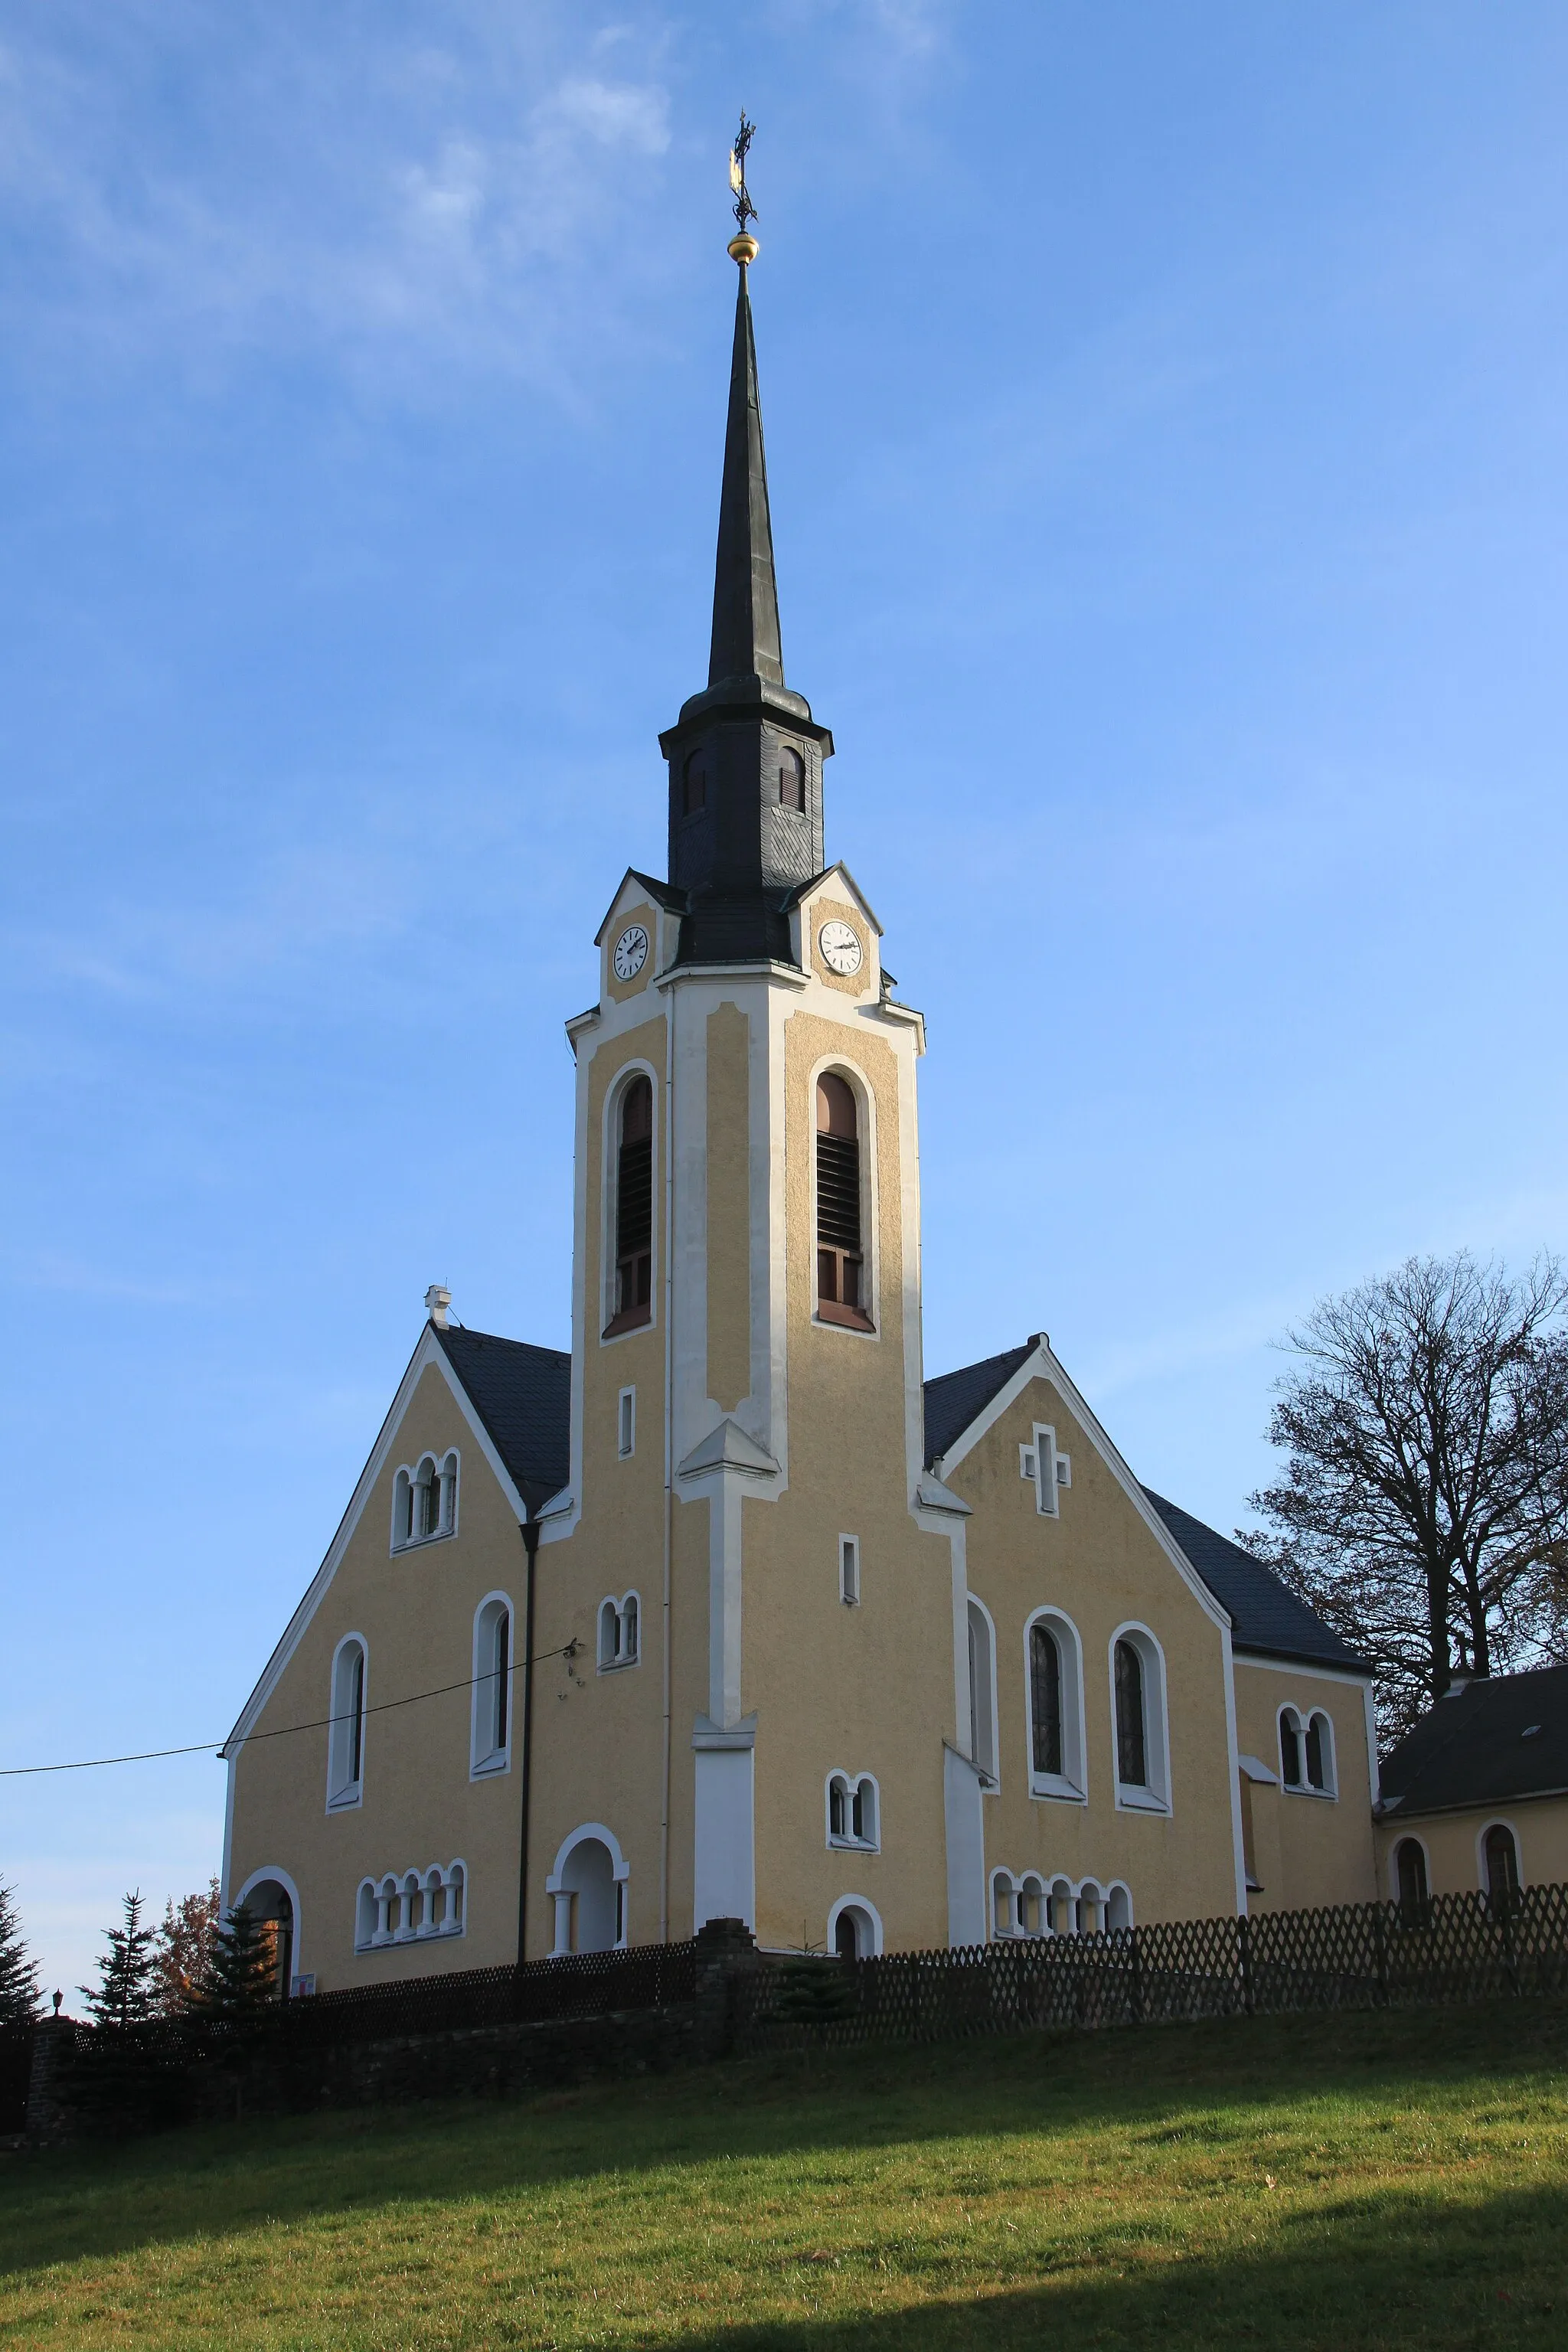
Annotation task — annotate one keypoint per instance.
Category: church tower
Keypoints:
(747, 1473)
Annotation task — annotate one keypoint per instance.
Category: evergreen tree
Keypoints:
(18, 1974)
(241, 1973)
(126, 1993)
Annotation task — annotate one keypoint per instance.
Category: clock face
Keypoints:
(631, 953)
(840, 949)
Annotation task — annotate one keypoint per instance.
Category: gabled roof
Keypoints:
(1501, 1737)
(956, 1398)
(523, 1396)
(1264, 1614)
(1264, 1617)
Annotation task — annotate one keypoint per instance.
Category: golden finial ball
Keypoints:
(743, 249)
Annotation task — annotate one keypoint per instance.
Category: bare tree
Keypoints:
(1424, 1507)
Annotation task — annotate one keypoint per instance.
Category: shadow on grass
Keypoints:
(223, 2181)
(1389, 2275)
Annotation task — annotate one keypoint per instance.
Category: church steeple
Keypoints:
(745, 755)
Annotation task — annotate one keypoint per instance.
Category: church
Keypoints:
(731, 1611)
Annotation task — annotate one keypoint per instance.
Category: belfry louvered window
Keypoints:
(840, 1262)
(792, 780)
(634, 1210)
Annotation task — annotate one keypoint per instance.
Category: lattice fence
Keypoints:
(16, 2071)
(1455, 1947)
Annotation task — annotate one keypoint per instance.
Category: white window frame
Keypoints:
(627, 1424)
(343, 1795)
(1302, 1722)
(1153, 1796)
(868, 1916)
(620, 1657)
(859, 1085)
(1496, 1822)
(1071, 1785)
(448, 1464)
(850, 1570)
(853, 1784)
(989, 1766)
(486, 1760)
(609, 1201)
(1046, 1467)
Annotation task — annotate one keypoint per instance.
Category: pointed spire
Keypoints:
(745, 594)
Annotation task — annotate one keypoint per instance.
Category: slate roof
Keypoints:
(958, 1398)
(1265, 1615)
(523, 1396)
(1477, 1746)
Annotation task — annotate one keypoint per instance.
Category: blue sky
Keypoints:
(1166, 407)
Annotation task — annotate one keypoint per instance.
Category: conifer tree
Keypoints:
(18, 1973)
(241, 1973)
(126, 1993)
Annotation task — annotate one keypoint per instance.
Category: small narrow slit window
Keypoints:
(634, 1210)
(626, 1437)
(849, 1570)
(840, 1260)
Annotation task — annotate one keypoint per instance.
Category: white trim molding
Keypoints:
(867, 1922)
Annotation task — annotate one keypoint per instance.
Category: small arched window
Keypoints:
(424, 1501)
(492, 1686)
(852, 1813)
(854, 1930)
(792, 780)
(633, 1209)
(345, 1733)
(1307, 1752)
(840, 1261)
(694, 784)
(1410, 1875)
(1499, 1854)
(1319, 1748)
(1131, 1719)
(1117, 1910)
(1292, 1760)
(619, 1632)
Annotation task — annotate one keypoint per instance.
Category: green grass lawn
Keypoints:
(1383, 2181)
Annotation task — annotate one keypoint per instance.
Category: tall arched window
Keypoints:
(1410, 1874)
(633, 1209)
(981, 1691)
(492, 1686)
(1055, 1708)
(1501, 1856)
(792, 780)
(345, 1733)
(840, 1262)
(1137, 1697)
(1131, 1723)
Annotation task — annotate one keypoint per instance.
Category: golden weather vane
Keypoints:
(743, 248)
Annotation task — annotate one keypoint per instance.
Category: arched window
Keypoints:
(1410, 1875)
(1003, 1895)
(424, 1501)
(694, 784)
(792, 780)
(1138, 1698)
(852, 1810)
(416, 1904)
(1117, 1910)
(1090, 1909)
(345, 1733)
(1131, 1719)
(1307, 1752)
(633, 1209)
(619, 1630)
(492, 1686)
(840, 1263)
(1292, 1760)
(981, 1691)
(1033, 1905)
(588, 1886)
(1056, 1706)
(1500, 1856)
(1320, 1745)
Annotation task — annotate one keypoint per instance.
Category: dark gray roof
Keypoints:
(1265, 1615)
(958, 1398)
(1502, 1737)
(523, 1396)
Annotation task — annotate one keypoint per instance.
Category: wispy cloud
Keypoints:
(418, 207)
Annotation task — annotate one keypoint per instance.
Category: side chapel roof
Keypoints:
(523, 1396)
(1501, 1737)
(1265, 1615)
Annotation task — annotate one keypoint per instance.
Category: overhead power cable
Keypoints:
(284, 1731)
